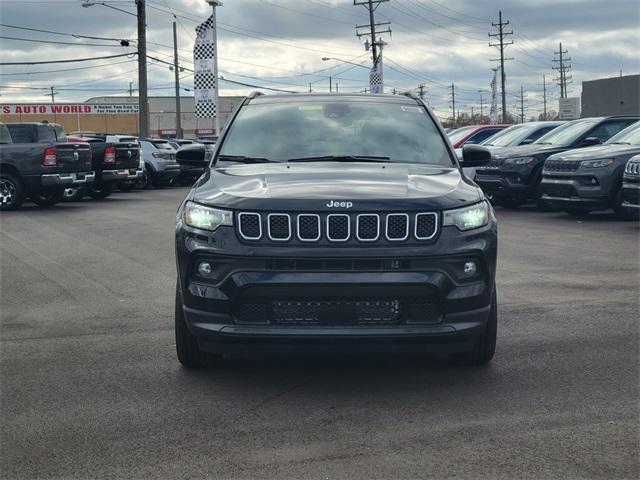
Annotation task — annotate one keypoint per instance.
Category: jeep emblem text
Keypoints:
(333, 204)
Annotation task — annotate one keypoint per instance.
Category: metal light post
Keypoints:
(143, 99)
(214, 4)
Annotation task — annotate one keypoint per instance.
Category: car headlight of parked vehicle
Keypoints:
(468, 218)
(205, 218)
(519, 160)
(596, 163)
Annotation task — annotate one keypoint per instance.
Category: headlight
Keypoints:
(468, 218)
(205, 218)
(519, 160)
(596, 163)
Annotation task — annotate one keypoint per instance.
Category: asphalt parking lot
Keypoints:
(91, 387)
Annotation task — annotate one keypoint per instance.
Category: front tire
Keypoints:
(485, 345)
(11, 193)
(187, 349)
(48, 198)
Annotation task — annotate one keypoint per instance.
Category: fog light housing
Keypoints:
(470, 268)
(205, 269)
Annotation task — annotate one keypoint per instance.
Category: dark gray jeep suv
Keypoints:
(335, 221)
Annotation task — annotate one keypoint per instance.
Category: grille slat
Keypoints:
(561, 165)
(337, 227)
(368, 227)
(279, 226)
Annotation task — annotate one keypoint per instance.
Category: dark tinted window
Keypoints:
(536, 135)
(60, 135)
(483, 135)
(300, 129)
(162, 145)
(609, 128)
(46, 134)
(22, 133)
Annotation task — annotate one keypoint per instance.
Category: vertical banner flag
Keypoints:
(375, 77)
(205, 78)
(493, 113)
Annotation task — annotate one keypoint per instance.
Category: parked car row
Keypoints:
(576, 166)
(40, 162)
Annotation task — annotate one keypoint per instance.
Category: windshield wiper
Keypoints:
(620, 143)
(242, 159)
(545, 143)
(341, 158)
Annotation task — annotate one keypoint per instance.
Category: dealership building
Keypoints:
(611, 96)
(120, 115)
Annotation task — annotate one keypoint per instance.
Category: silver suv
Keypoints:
(160, 162)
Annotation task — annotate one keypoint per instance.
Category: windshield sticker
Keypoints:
(412, 109)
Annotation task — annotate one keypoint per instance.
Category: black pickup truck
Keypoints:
(37, 162)
(112, 162)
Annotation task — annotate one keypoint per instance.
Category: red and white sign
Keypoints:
(69, 109)
(168, 132)
(204, 131)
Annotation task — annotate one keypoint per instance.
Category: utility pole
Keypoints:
(176, 69)
(501, 45)
(563, 68)
(52, 95)
(544, 98)
(130, 89)
(421, 91)
(330, 88)
(143, 94)
(374, 43)
(522, 97)
(336, 87)
(481, 106)
(453, 103)
(310, 88)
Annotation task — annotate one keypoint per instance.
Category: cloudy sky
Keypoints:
(280, 44)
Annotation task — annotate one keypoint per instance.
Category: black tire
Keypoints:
(126, 186)
(541, 203)
(485, 345)
(621, 212)
(98, 192)
(187, 349)
(145, 181)
(11, 192)
(48, 198)
(73, 194)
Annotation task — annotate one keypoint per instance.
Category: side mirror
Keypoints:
(193, 155)
(475, 156)
(527, 141)
(587, 142)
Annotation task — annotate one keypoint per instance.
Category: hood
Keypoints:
(310, 186)
(598, 151)
(526, 150)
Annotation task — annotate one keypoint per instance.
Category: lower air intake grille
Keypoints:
(336, 312)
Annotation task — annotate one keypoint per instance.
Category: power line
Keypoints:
(61, 43)
(69, 60)
(67, 69)
(76, 35)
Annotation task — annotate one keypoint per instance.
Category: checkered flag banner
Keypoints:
(493, 112)
(375, 77)
(205, 78)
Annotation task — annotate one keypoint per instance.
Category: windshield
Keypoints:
(460, 133)
(630, 135)
(507, 137)
(299, 130)
(566, 134)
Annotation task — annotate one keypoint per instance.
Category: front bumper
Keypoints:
(66, 179)
(433, 306)
(631, 194)
(503, 184)
(576, 191)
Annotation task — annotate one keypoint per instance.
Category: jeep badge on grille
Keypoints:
(334, 204)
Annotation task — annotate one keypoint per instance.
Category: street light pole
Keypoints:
(214, 4)
(143, 99)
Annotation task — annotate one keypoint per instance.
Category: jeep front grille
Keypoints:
(561, 165)
(632, 168)
(338, 227)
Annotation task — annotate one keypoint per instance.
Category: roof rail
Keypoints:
(254, 94)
